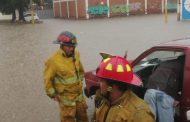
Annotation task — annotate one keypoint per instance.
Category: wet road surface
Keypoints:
(24, 48)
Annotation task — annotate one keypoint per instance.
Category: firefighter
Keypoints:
(63, 76)
(119, 103)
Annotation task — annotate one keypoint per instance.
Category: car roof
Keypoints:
(183, 42)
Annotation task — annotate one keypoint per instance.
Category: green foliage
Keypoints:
(7, 6)
(38, 2)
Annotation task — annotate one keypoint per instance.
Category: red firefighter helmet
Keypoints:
(66, 38)
(119, 69)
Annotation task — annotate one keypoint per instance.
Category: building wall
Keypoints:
(72, 9)
(116, 4)
(63, 10)
(56, 10)
(100, 8)
(81, 9)
(137, 7)
(154, 6)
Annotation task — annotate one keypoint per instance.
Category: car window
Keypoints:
(160, 56)
(145, 67)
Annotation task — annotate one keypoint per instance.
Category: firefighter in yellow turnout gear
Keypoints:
(63, 77)
(119, 103)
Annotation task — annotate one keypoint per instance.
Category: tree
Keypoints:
(49, 1)
(21, 5)
(38, 2)
(9, 7)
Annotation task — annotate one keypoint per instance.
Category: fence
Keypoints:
(45, 14)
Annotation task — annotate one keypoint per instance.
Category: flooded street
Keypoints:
(25, 47)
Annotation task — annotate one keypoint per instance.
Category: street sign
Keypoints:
(185, 9)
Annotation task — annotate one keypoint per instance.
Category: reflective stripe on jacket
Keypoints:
(128, 108)
(63, 77)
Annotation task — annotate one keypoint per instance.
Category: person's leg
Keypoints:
(150, 98)
(81, 111)
(67, 113)
(165, 107)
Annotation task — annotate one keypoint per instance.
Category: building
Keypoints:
(86, 9)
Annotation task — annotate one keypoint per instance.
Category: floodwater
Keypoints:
(25, 47)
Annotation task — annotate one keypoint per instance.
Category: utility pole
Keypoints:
(178, 10)
(32, 11)
(166, 10)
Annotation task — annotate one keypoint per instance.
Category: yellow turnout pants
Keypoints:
(76, 113)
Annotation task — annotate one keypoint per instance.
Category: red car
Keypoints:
(147, 62)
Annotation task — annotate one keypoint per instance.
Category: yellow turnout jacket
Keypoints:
(63, 77)
(128, 108)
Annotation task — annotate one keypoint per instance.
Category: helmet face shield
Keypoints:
(118, 69)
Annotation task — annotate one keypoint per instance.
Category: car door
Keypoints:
(146, 64)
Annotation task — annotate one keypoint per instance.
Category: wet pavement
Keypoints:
(25, 47)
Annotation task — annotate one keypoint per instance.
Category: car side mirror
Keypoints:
(188, 115)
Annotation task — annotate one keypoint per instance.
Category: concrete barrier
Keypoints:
(5, 17)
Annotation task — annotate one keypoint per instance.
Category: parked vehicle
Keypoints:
(146, 63)
(28, 17)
